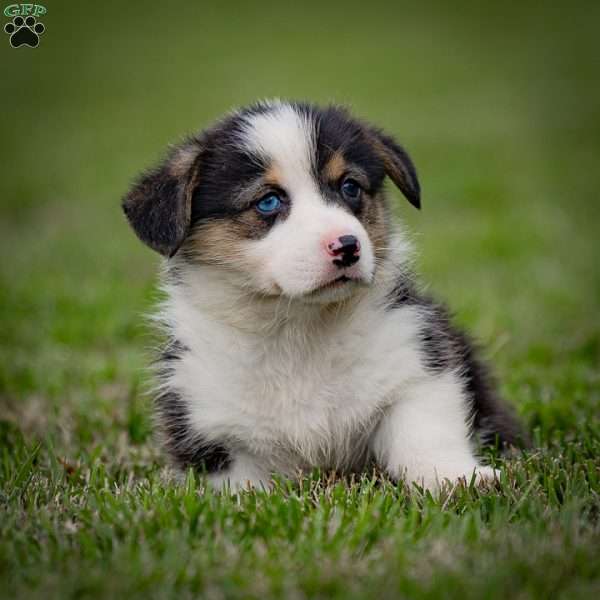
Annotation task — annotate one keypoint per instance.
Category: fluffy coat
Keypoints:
(297, 335)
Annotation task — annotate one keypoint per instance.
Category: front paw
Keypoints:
(245, 473)
(481, 474)
(448, 478)
(487, 475)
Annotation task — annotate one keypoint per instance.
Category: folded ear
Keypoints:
(398, 166)
(158, 206)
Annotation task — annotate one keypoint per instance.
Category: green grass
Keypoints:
(499, 108)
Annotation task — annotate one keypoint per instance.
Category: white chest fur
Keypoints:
(298, 390)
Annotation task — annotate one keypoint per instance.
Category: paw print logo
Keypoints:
(24, 32)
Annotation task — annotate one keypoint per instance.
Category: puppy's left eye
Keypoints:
(269, 205)
(350, 188)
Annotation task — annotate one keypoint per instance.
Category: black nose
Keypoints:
(346, 249)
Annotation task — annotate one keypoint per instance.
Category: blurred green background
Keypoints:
(499, 106)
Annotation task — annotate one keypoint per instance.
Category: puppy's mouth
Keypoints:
(339, 281)
(334, 284)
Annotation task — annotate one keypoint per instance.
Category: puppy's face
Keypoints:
(286, 197)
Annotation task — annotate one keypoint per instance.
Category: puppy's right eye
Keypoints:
(269, 204)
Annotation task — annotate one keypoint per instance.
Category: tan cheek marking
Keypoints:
(213, 242)
(221, 241)
(335, 168)
(374, 217)
(224, 243)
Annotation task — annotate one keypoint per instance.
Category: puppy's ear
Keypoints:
(398, 166)
(158, 206)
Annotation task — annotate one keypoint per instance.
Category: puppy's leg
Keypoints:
(243, 473)
(424, 435)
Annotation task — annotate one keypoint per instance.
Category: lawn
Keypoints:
(499, 107)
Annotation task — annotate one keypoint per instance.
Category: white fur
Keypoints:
(290, 384)
(297, 387)
(415, 435)
(292, 258)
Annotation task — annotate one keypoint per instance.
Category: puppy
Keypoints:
(297, 336)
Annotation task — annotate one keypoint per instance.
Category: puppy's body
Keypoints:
(297, 336)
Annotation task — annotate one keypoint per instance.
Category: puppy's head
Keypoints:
(287, 197)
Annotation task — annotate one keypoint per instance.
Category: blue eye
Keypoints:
(269, 205)
(350, 188)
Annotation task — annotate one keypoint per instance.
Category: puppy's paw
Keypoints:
(448, 478)
(483, 475)
(244, 475)
(487, 474)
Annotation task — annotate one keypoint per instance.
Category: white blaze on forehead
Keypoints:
(284, 137)
(291, 259)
